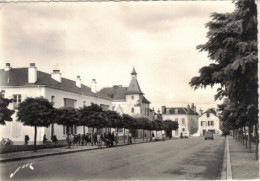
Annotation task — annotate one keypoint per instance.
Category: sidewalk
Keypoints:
(54, 151)
(243, 164)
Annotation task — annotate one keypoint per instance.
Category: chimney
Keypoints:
(78, 82)
(7, 67)
(32, 73)
(163, 109)
(188, 107)
(56, 75)
(94, 86)
(201, 111)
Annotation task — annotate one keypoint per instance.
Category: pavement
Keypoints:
(244, 166)
(14, 156)
(178, 159)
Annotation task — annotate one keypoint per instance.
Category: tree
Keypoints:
(128, 122)
(114, 118)
(5, 113)
(232, 45)
(35, 112)
(68, 117)
(169, 126)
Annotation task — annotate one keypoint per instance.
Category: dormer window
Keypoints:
(132, 110)
(208, 115)
(176, 111)
(132, 97)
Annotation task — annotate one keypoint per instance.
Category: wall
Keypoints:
(181, 126)
(206, 127)
(16, 131)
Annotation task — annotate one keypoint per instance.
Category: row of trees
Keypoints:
(39, 112)
(232, 45)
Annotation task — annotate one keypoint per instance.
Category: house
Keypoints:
(187, 117)
(130, 99)
(20, 83)
(208, 121)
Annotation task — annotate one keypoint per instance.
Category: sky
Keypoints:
(104, 40)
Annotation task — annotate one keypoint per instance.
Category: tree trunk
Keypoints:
(35, 136)
(124, 135)
(68, 140)
(257, 141)
(143, 134)
(245, 135)
(249, 137)
(52, 130)
(92, 136)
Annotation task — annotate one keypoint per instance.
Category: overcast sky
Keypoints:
(105, 40)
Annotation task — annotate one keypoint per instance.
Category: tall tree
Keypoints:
(5, 113)
(35, 112)
(232, 45)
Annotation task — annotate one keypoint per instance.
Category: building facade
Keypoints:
(208, 121)
(187, 118)
(20, 83)
(130, 100)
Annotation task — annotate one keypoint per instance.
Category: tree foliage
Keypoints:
(5, 113)
(35, 112)
(232, 45)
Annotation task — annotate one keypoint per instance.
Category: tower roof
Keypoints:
(133, 72)
(134, 87)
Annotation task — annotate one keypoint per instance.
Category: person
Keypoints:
(99, 141)
(44, 139)
(181, 135)
(116, 138)
(130, 138)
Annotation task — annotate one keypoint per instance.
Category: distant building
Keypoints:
(131, 99)
(208, 121)
(20, 83)
(187, 117)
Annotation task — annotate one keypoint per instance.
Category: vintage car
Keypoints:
(160, 137)
(208, 135)
(184, 135)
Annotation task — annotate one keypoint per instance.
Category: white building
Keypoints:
(187, 117)
(208, 121)
(129, 100)
(20, 83)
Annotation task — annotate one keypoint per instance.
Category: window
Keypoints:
(176, 111)
(183, 120)
(52, 99)
(72, 129)
(132, 110)
(203, 123)
(211, 123)
(208, 115)
(16, 100)
(84, 103)
(132, 97)
(183, 129)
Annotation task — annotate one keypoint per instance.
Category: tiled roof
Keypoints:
(211, 110)
(116, 92)
(145, 101)
(181, 110)
(134, 87)
(19, 77)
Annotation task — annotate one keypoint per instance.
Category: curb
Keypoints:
(223, 174)
(61, 153)
(229, 169)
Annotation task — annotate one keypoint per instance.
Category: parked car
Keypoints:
(184, 135)
(208, 135)
(160, 137)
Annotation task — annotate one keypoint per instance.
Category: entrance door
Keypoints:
(203, 131)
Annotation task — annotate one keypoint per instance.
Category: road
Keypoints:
(179, 159)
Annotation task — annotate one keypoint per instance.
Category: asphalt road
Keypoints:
(193, 158)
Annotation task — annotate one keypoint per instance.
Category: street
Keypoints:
(179, 159)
